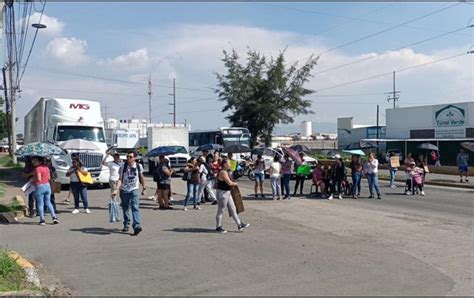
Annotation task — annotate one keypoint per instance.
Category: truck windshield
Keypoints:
(89, 133)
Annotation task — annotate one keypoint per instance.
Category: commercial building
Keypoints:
(445, 126)
(348, 132)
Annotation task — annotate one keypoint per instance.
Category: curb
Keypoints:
(435, 183)
(30, 270)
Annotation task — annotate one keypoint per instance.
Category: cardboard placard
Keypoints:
(395, 161)
(303, 170)
(427, 170)
(233, 165)
(237, 198)
(56, 187)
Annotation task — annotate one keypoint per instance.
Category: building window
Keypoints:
(422, 134)
(470, 132)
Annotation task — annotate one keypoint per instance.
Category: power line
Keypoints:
(393, 50)
(389, 73)
(380, 32)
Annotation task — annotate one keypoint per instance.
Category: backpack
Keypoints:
(159, 176)
(186, 176)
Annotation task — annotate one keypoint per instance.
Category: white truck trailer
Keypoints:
(123, 140)
(177, 137)
(56, 120)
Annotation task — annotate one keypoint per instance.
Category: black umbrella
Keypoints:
(257, 151)
(361, 145)
(300, 148)
(236, 148)
(428, 146)
(209, 147)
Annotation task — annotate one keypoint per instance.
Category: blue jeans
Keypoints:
(130, 199)
(373, 179)
(192, 193)
(393, 173)
(43, 197)
(286, 184)
(356, 177)
(79, 189)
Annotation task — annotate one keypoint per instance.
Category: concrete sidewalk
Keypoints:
(431, 179)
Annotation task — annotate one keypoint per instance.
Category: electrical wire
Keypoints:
(379, 32)
(393, 50)
(391, 72)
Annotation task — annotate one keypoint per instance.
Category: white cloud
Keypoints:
(54, 25)
(69, 50)
(134, 59)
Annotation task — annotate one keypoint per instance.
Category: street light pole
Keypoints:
(174, 102)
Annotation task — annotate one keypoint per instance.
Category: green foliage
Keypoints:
(263, 92)
(12, 276)
(6, 161)
(10, 208)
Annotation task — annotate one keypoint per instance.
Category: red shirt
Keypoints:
(42, 171)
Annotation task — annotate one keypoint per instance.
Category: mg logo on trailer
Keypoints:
(79, 106)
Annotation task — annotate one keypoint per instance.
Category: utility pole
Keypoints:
(12, 74)
(149, 99)
(174, 103)
(377, 133)
(7, 109)
(395, 95)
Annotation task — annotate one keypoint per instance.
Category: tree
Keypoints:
(263, 92)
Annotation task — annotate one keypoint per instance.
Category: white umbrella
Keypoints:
(79, 144)
(468, 145)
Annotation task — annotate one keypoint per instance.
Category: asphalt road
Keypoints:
(395, 246)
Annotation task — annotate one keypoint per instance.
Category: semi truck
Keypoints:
(56, 120)
(176, 139)
(123, 140)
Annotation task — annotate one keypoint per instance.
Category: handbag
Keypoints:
(28, 188)
(114, 210)
(84, 178)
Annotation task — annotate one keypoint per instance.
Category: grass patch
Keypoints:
(7, 161)
(12, 276)
(10, 207)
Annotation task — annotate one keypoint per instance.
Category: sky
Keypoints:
(107, 52)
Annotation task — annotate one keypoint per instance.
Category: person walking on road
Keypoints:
(356, 172)
(275, 173)
(162, 177)
(259, 171)
(191, 174)
(78, 189)
(130, 178)
(462, 160)
(224, 199)
(53, 174)
(43, 190)
(286, 171)
(114, 167)
(206, 177)
(371, 170)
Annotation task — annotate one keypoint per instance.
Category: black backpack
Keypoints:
(159, 176)
(210, 173)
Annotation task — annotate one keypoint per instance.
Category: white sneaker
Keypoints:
(88, 211)
(408, 193)
(151, 198)
(330, 197)
(197, 208)
(422, 193)
(171, 199)
(75, 211)
(340, 197)
(185, 208)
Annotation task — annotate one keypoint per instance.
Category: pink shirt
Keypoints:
(42, 171)
(317, 175)
(286, 167)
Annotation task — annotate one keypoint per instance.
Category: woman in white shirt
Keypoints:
(275, 173)
(371, 170)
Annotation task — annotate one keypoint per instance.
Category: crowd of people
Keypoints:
(209, 179)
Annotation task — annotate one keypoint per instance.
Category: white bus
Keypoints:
(224, 136)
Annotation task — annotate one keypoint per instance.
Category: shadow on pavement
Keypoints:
(98, 231)
(192, 230)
